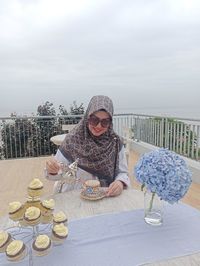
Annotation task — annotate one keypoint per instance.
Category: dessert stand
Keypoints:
(28, 233)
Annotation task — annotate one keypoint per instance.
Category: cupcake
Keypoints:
(47, 206)
(15, 210)
(32, 216)
(59, 233)
(16, 250)
(5, 239)
(60, 217)
(33, 202)
(41, 246)
(35, 188)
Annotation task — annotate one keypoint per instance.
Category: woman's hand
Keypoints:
(115, 188)
(52, 166)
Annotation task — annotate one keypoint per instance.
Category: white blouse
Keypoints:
(82, 175)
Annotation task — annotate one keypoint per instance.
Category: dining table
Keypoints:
(112, 232)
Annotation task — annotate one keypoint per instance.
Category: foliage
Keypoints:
(168, 133)
(165, 173)
(177, 137)
(46, 110)
(22, 137)
(18, 138)
(46, 127)
(62, 110)
(74, 110)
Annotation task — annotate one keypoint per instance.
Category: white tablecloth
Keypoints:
(124, 239)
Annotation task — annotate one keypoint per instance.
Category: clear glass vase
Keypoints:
(153, 208)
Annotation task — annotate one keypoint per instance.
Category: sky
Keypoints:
(144, 54)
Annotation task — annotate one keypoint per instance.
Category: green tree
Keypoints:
(74, 110)
(18, 138)
(62, 110)
(169, 133)
(46, 127)
(22, 137)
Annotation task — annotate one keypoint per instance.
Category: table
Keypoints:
(130, 199)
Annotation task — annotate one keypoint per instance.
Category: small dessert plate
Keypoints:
(90, 196)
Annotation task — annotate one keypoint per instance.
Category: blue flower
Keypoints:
(165, 173)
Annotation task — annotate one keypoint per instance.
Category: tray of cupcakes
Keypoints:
(36, 227)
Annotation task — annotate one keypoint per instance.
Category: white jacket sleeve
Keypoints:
(123, 168)
(122, 175)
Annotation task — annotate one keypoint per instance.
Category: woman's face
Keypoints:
(99, 122)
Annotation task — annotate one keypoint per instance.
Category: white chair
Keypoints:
(126, 141)
(58, 139)
(68, 128)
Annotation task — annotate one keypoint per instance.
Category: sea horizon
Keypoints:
(188, 113)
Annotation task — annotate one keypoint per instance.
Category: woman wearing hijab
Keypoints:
(99, 149)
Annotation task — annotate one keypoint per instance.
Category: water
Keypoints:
(184, 112)
(189, 113)
(153, 218)
(153, 209)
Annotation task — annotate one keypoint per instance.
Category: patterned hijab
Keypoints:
(97, 155)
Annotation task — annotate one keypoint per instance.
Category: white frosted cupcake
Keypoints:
(59, 233)
(5, 239)
(35, 188)
(32, 216)
(15, 210)
(16, 250)
(47, 206)
(60, 217)
(42, 245)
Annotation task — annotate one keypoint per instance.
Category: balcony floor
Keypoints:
(16, 175)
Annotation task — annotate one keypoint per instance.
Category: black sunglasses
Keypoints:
(94, 121)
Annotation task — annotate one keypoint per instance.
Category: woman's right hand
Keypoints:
(52, 166)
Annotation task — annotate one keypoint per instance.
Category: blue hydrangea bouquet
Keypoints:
(164, 173)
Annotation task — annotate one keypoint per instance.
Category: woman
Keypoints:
(99, 149)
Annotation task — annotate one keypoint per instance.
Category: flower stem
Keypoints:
(151, 201)
(142, 187)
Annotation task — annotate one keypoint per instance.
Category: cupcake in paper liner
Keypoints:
(42, 245)
(60, 217)
(35, 188)
(5, 240)
(32, 216)
(15, 210)
(59, 233)
(16, 250)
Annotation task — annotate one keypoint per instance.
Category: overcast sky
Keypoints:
(141, 53)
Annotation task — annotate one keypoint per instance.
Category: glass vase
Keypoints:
(153, 208)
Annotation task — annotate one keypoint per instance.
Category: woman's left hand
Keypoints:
(115, 188)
